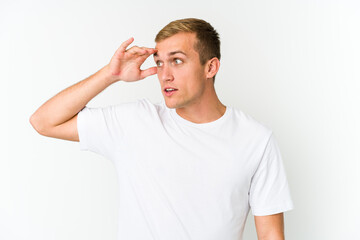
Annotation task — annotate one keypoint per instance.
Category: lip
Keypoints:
(168, 94)
(169, 87)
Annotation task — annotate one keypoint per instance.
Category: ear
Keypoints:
(212, 67)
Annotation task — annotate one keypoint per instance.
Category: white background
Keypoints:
(292, 65)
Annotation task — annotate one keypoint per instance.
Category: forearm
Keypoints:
(67, 103)
(274, 236)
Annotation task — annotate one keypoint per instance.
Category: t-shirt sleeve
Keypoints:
(269, 190)
(101, 129)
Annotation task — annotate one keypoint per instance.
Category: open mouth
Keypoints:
(169, 91)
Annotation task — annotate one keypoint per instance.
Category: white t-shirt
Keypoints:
(185, 180)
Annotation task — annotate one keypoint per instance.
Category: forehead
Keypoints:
(179, 42)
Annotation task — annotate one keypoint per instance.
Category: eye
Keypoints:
(178, 61)
(159, 63)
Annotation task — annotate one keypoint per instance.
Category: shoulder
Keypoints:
(142, 104)
(249, 125)
(141, 108)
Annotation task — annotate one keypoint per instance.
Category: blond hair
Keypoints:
(208, 40)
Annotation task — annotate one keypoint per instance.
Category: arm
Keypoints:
(270, 227)
(57, 117)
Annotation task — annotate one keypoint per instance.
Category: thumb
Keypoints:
(148, 72)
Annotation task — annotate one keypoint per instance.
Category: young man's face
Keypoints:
(178, 67)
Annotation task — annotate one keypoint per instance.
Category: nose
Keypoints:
(166, 73)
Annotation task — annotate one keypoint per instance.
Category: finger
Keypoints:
(148, 52)
(142, 50)
(140, 58)
(148, 72)
(136, 50)
(125, 44)
(151, 50)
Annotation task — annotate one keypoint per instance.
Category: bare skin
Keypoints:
(270, 227)
(195, 100)
(57, 117)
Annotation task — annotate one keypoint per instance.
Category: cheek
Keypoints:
(182, 76)
(158, 72)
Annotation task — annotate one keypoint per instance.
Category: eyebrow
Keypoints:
(171, 53)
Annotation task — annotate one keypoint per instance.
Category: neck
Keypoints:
(207, 109)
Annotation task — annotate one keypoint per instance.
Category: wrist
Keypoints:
(109, 76)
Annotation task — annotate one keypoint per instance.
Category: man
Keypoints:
(189, 167)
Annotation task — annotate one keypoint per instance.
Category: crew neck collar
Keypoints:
(216, 122)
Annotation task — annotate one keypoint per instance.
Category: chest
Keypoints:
(197, 163)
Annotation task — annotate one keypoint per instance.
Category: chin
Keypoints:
(170, 105)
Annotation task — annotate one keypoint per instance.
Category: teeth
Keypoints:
(169, 89)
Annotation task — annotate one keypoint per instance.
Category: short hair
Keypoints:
(208, 40)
